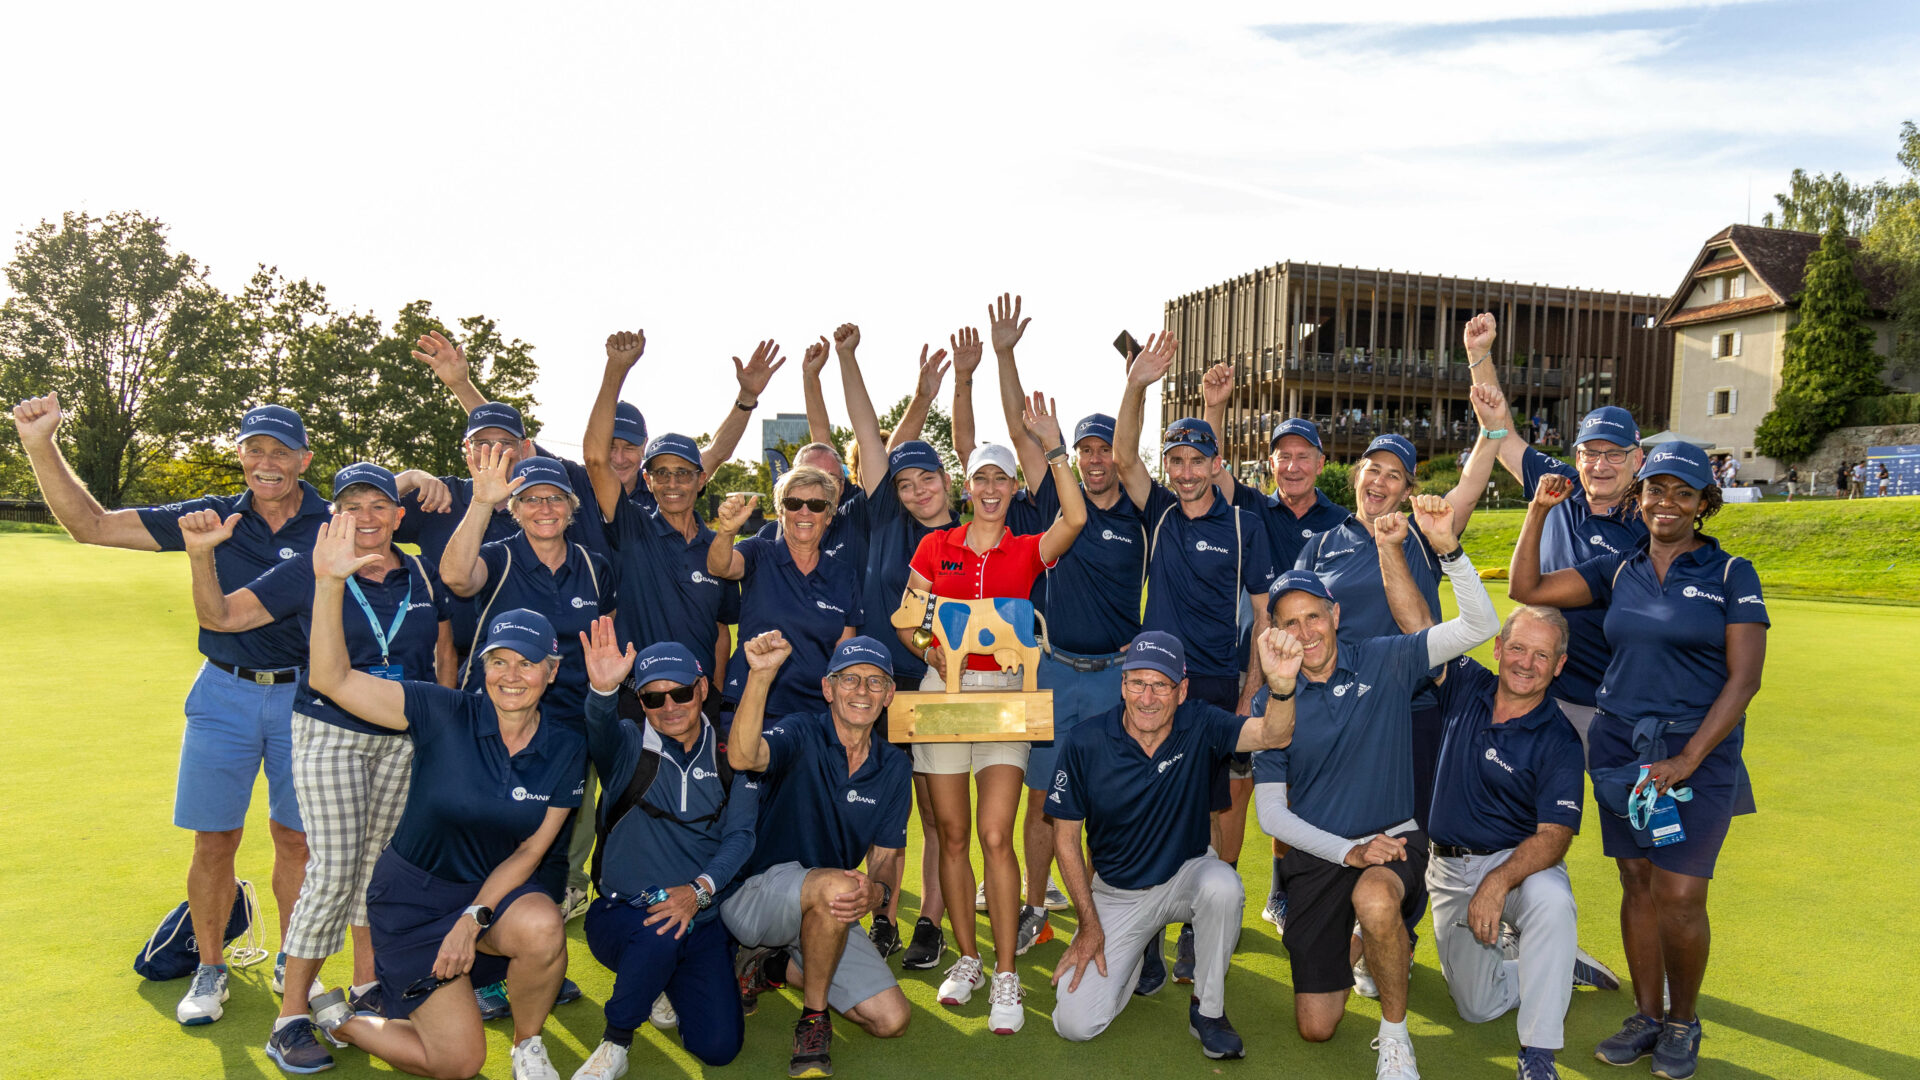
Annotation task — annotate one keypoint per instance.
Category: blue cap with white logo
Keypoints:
(543, 470)
(365, 472)
(628, 424)
(1190, 432)
(524, 631)
(1399, 447)
(1612, 423)
(497, 414)
(861, 650)
(1305, 429)
(676, 445)
(1305, 581)
(1098, 426)
(1157, 650)
(914, 454)
(668, 661)
(1679, 459)
(274, 421)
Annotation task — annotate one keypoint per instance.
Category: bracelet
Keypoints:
(746, 406)
(886, 893)
(1058, 454)
(1471, 364)
(1493, 433)
(1288, 696)
(1454, 555)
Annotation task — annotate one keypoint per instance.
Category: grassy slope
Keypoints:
(1815, 913)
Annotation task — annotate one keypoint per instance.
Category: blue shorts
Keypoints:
(410, 913)
(1077, 696)
(234, 726)
(1721, 793)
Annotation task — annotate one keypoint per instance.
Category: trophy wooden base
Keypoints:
(974, 716)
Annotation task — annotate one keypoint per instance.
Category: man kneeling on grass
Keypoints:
(831, 797)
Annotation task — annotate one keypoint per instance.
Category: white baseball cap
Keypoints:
(992, 454)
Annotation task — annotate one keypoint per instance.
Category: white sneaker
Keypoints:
(1363, 983)
(1006, 1016)
(574, 903)
(663, 1016)
(209, 989)
(980, 895)
(963, 978)
(1396, 1059)
(608, 1062)
(530, 1061)
(1057, 900)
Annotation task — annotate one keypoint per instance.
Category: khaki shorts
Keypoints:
(962, 757)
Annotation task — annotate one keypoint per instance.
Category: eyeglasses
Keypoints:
(1193, 436)
(818, 506)
(847, 680)
(1144, 687)
(674, 477)
(1611, 457)
(656, 699)
(540, 500)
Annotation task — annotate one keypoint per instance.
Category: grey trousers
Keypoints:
(1485, 981)
(1580, 715)
(1205, 892)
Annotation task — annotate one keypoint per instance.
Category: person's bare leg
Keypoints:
(952, 803)
(533, 937)
(442, 1039)
(823, 938)
(301, 971)
(884, 1015)
(1000, 787)
(1686, 938)
(932, 903)
(363, 956)
(1640, 935)
(1383, 935)
(289, 870)
(210, 888)
(1036, 837)
(1318, 1015)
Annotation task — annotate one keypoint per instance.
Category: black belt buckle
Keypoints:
(1448, 851)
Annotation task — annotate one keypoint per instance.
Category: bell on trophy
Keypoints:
(922, 639)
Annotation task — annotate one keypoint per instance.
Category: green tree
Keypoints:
(1810, 202)
(938, 431)
(1829, 359)
(131, 335)
(1894, 244)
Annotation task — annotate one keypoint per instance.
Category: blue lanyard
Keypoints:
(1641, 800)
(383, 637)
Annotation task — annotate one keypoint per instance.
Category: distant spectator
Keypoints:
(1840, 478)
(1883, 478)
(1793, 477)
(1859, 479)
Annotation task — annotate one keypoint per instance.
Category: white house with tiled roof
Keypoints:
(1729, 318)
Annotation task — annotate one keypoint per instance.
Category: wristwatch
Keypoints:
(482, 915)
(1288, 696)
(1454, 554)
(886, 894)
(1058, 453)
(701, 896)
(746, 406)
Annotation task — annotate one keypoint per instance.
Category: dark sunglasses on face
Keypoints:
(818, 506)
(654, 699)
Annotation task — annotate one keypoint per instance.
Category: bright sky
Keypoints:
(716, 174)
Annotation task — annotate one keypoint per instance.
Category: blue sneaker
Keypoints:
(1678, 1052)
(570, 992)
(1632, 1042)
(1276, 912)
(370, 1003)
(1536, 1064)
(1153, 973)
(1217, 1038)
(1183, 962)
(1590, 972)
(493, 1001)
(293, 1047)
(278, 984)
(205, 995)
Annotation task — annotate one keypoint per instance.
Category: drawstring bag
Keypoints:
(172, 953)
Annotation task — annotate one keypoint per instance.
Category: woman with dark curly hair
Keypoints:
(1688, 628)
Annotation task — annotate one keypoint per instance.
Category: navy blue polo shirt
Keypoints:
(1350, 767)
(571, 598)
(287, 590)
(431, 533)
(1572, 534)
(1496, 784)
(689, 832)
(812, 610)
(470, 804)
(813, 813)
(1091, 597)
(1191, 593)
(252, 550)
(1348, 560)
(1670, 638)
(1145, 816)
(846, 536)
(666, 593)
(1288, 532)
(892, 537)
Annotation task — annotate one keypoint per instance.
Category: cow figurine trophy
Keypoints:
(1000, 628)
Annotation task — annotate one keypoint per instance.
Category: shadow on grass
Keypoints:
(1874, 1061)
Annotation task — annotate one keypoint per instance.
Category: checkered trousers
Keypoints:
(352, 788)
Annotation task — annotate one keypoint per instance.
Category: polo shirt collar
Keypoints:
(1320, 502)
(1117, 724)
(1707, 554)
(524, 547)
(486, 722)
(1532, 720)
(311, 502)
(956, 537)
(701, 535)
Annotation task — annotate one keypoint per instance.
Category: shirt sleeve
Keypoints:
(1063, 800)
(899, 806)
(414, 522)
(286, 588)
(1745, 604)
(1535, 464)
(751, 550)
(1561, 779)
(784, 746)
(570, 779)
(432, 709)
(736, 832)
(1159, 499)
(1599, 573)
(1257, 571)
(1270, 766)
(494, 556)
(926, 557)
(628, 519)
(1276, 816)
(1046, 498)
(1035, 563)
(163, 522)
(609, 582)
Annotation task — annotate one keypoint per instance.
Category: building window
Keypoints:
(1737, 286)
(1726, 345)
(1723, 402)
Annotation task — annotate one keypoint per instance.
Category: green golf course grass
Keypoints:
(1815, 912)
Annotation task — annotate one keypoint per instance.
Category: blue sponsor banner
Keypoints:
(1903, 470)
(776, 463)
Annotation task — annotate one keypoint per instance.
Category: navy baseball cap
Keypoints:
(678, 445)
(497, 414)
(628, 424)
(667, 661)
(1305, 581)
(1305, 429)
(1190, 432)
(1156, 650)
(274, 421)
(1612, 423)
(1684, 460)
(1399, 447)
(1098, 426)
(861, 650)
(365, 472)
(914, 454)
(524, 631)
(543, 470)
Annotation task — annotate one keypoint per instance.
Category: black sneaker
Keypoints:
(1677, 1053)
(812, 1042)
(369, 1003)
(1632, 1042)
(929, 944)
(294, 1047)
(885, 936)
(748, 971)
(1217, 1038)
(1153, 971)
(1183, 956)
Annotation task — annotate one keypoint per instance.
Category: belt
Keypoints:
(1449, 851)
(274, 677)
(1084, 663)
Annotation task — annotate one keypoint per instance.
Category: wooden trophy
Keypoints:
(1001, 628)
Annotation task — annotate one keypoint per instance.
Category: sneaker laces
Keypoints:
(533, 1051)
(1006, 989)
(206, 982)
(1395, 1055)
(1636, 1025)
(1536, 1063)
(966, 970)
(812, 1036)
(1676, 1037)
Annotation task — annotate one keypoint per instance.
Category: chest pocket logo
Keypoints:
(1167, 764)
(581, 602)
(855, 797)
(286, 553)
(1692, 592)
(1109, 534)
(1494, 756)
(521, 794)
(699, 773)
(1202, 545)
(1341, 690)
(948, 566)
(699, 578)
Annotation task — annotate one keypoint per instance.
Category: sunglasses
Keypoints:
(655, 699)
(1193, 436)
(818, 506)
(424, 986)
(674, 477)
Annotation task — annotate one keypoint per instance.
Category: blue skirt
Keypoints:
(410, 913)
(1721, 793)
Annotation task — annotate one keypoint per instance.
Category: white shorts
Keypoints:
(970, 757)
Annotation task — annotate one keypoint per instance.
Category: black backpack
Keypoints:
(644, 771)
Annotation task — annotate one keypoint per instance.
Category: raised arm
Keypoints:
(1525, 583)
(1040, 420)
(369, 697)
(1006, 327)
(202, 531)
(1510, 447)
(1147, 368)
(596, 446)
(1488, 401)
(933, 369)
(752, 377)
(1216, 393)
(966, 360)
(812, 362)
(461, 567)
(1477, 622)
(1280, 654)
(1410, 610)
(860, 414)
(449, 364)
(607, 667)
(72, 504)
(723, 561)
(747, 749)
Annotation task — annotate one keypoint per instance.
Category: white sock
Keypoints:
(283, 1021)
(361, 988)
(1390, 1030)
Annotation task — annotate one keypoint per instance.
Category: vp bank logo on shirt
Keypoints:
(521, 794)
(855, 797)
(1167, 764)
(1202, 545)
(581, 601)
(1494, 756)
(286, 553)
(1692, 591)
(1109, 534)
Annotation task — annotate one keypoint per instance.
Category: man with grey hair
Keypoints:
(1506, 804)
